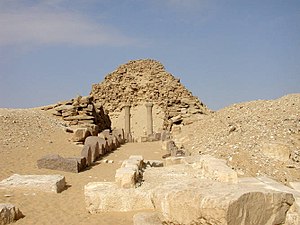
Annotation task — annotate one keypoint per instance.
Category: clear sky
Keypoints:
(224, 51)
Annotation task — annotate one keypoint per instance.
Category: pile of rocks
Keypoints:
(141, 81)
(81, 112)
(255, 138)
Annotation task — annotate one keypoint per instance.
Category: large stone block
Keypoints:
(119, 134)
(81, 134)
(126, 177)
(47, 183)
(212, 168)
(87, 153)
(93, 143)
(211, 202)
(9, 214)
(108, 197)
(56, 162)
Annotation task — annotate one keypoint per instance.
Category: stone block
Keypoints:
(92, 142)
(119, 133)
(170, 147)
(9, 214)
(211, 202)
(56, 162)
(87, 153)
(212, 168)
(146, 218)
(47, 183)
(126, 177)
(108, 197)
(136, 160)
(81, 134)
(172, 160)
(102, 146)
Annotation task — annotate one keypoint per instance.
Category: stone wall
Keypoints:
(81, 112)
(141, 81)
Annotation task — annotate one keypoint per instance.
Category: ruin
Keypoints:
(142, 82)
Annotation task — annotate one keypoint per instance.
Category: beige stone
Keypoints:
(47, 183)
(126, 177)
(81, 134)
(211, 202)
(108, 197)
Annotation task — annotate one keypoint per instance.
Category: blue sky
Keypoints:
(225, 51)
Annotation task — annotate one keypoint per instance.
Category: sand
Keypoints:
(19, 156)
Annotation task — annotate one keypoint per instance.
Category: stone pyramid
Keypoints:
(141, 81)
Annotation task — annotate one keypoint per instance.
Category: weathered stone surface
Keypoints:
(170, 147)
(140, 81)
(172, 160)
(93, 143)
(212, 168)
(146, 218)
(126, 177)
(9, 214)
(81, 134)
(56, 162)
(108, 197)
(119, 133)
(210, 202)
(87, 153)
(47, 183)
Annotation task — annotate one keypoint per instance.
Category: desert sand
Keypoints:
(27, 135)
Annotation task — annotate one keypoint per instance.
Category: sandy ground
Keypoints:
(67, 207)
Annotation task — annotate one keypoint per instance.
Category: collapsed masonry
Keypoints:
(139, 82)
(83, 116)
(140, 97)
(194, 190)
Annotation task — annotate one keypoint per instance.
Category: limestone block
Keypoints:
(47, 183)
(108, 197)
(64, 108)
(139, 159)
(93, 143)
(87, 153)
(173, 160)
(126, 177)
(212, 168)
(169, 146)
(9, 214)
(119, 133)
(56, 162)
(211, 202)
(80, 134)
(146, 218)
(102, 144)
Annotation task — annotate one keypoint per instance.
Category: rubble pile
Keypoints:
(256, 138)
(140, 81)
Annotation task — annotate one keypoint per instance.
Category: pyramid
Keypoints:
(141, 81)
